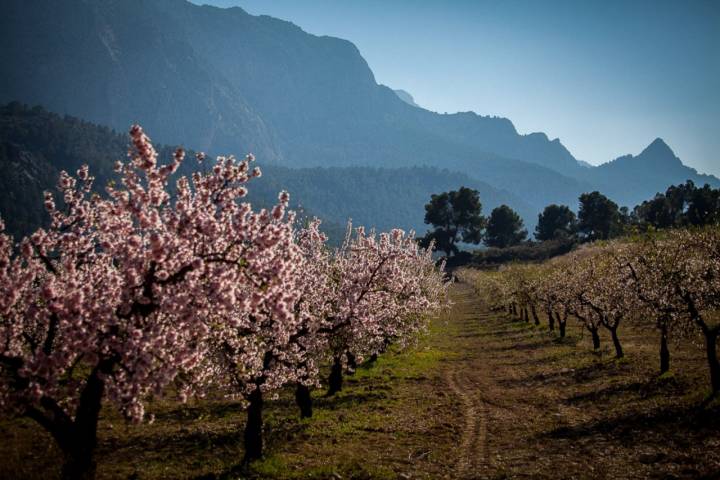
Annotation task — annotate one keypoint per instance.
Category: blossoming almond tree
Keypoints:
(385, 286)
(112, 301)
(679, 276)
(609, 293)
(655, 300)
(274, 334)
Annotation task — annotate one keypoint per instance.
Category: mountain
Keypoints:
(406, 97)
(35, 145)
(636, 178)
(225, 81)
(116, 63)
(379, 197)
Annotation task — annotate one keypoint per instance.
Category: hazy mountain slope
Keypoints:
(228, 82)
(406, 97)
(120, 62)
(322, 98)
(35, 145)
(225, 80)
(383, 198)
(632, 179)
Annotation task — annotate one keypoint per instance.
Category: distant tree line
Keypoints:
(457, 218)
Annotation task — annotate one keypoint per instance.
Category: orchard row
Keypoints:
(668, 281)
(150, 289)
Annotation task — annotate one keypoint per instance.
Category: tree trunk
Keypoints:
(664, 350)
(562, 323)
(79, 444)
(351, 363)
(535, 315)
(335, 379)
(525, 315)
(303, 400)
(551, 320)
(514, 309)
(711, 349)
(616, 342)
(254, 427)
(595, 338)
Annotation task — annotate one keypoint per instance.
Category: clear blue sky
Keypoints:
(606, 77)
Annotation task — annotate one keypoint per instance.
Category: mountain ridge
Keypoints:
(226, 81)
(35, 145)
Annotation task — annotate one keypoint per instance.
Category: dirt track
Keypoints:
(536, 407)
(468, 380)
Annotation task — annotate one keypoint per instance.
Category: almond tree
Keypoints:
(546, 293)
(384, 287)
(574, 291)
(609, 293)
(275, 333)
(679, 276)
(112, 301)
(653, 299)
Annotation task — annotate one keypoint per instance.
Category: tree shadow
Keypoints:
(676, 424)
(643, 389)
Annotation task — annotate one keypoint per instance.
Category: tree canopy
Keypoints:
(556, 221)
(505, 228)
(456, 216)
(599, 217)
(680, 206)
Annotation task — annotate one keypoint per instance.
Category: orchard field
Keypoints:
(168, 329)
(482, 395)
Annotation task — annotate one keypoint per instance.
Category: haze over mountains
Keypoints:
(35, 145)
(224, 81)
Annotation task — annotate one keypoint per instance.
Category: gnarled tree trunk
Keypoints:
(535, 315)
(76, 438)
(80, 441)
(562, 324)
(711, 336)
(253, 427)
(595, 338)
(551, 320)
(664, 350)
(616, 342)
(303, 400)
(336, 377)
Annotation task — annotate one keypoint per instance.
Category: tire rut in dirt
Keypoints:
(467, 381)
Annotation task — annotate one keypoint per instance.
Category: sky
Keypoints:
(606, 77)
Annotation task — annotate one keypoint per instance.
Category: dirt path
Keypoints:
(467, 380)
(532, 406)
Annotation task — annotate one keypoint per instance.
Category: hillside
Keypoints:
(635, 178)
(35, 145)
(223, 80)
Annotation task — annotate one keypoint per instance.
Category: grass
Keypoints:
(368, 430)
